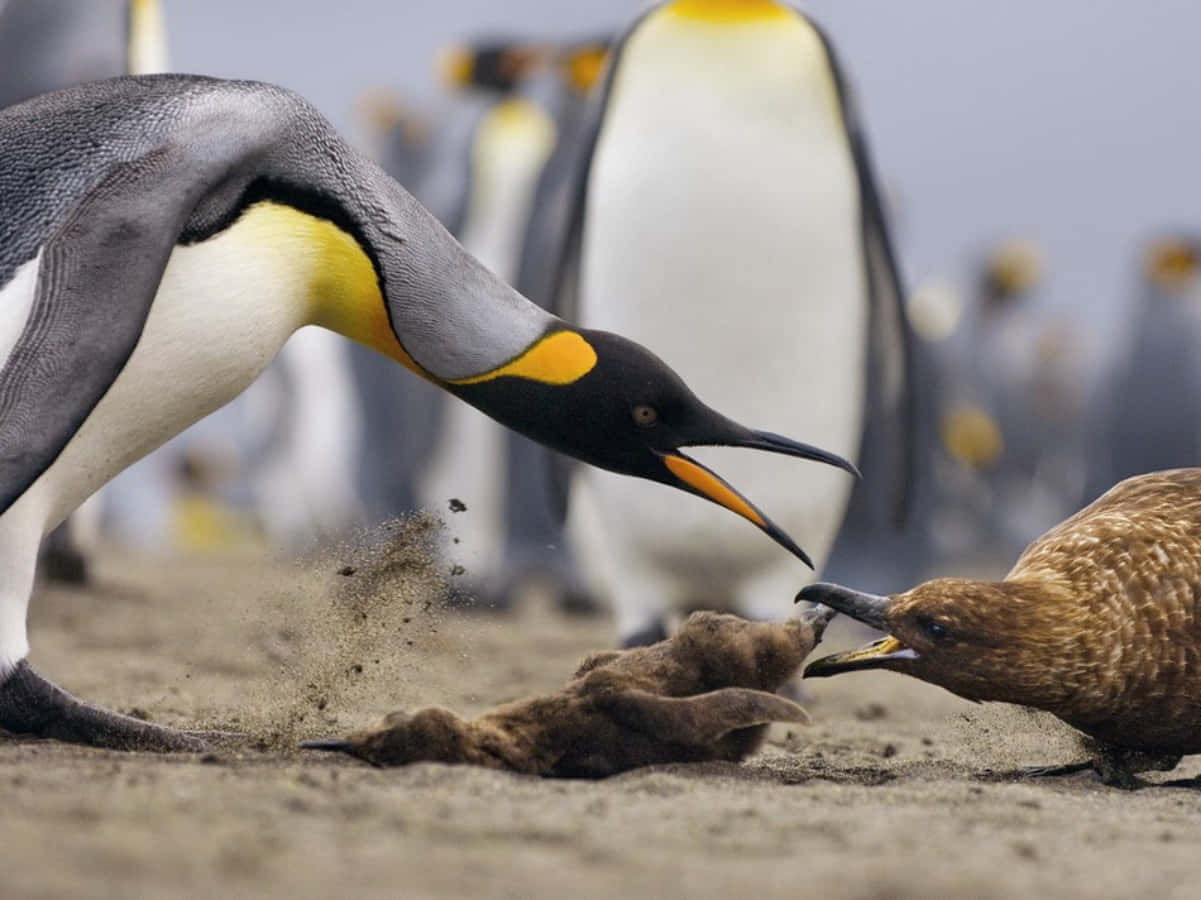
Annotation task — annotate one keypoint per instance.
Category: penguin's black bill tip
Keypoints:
(777, 443)
(781, 537)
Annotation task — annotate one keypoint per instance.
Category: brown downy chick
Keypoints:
(708, 693)
(1099, 622)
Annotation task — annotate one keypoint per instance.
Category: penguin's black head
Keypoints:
(629, 413)
(492, 65)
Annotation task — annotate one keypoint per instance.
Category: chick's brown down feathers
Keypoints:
(708, 693)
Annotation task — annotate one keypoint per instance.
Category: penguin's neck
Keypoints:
(729, 11)
(471, 325)
(336, 282)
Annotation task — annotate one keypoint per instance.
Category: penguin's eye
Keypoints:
(645, 416)
(936, 631)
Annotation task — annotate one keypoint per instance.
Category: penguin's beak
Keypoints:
(870, 609)
(690, 475)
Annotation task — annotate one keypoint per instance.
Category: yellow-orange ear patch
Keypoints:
(711, 486)
(584, 67)
(455, 66)
(1172, 262)
(559, 358)
(730, 11)
(972, 436)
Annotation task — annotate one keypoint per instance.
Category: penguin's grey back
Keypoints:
(57, 146)
(216, 147)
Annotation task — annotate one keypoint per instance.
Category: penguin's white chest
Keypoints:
(723, 230)
(222, 311)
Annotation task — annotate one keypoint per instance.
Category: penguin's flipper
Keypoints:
(890, 432)
(97, 278)
(891, 415)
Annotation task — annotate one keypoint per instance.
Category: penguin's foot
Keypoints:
(65, 566)
(578, 600)
(518, 585)
(649, 634)
(29, 704)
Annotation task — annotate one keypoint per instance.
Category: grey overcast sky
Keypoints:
(1074, 122)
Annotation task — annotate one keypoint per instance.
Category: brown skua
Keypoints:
(1098, 622)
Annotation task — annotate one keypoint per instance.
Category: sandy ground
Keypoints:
(890, 793)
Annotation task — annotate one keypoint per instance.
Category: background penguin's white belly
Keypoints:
(723, 231)
(514, 142)
(222, 311)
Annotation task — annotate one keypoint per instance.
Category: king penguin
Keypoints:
(47, 45)
(161, 237)
(1151, 404)
(729, 215)
(1019, 374)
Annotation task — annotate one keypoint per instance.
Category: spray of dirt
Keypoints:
(363, 617)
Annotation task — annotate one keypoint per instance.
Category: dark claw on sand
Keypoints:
(333, 745)
(1053, 771)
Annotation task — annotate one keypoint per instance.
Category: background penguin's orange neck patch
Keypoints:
(559, 358)
(585, 66)
(729, 10)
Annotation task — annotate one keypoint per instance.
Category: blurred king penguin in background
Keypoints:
(1012, 394)
(497, 172)
(1148, 418)
(47, 45)
(729, 214)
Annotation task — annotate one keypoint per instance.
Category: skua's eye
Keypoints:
(936, 631)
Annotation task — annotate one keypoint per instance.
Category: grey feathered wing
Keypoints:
(99, 273)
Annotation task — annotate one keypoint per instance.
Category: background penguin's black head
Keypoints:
(492, 64)
(630, 413)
